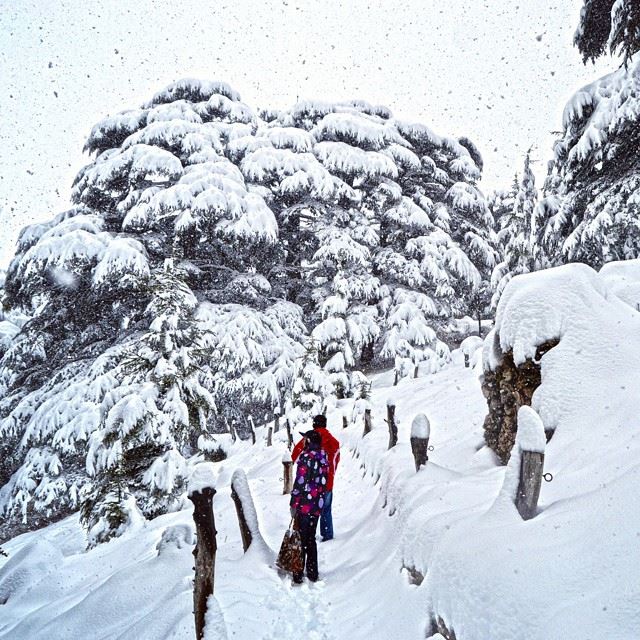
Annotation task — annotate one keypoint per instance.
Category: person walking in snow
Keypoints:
(331, 446)
(307, 500)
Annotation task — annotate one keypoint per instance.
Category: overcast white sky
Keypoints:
(497, 71)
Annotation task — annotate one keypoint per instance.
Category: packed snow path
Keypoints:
(362, 592)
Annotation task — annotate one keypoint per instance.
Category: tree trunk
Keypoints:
(232, 431)
(531, 467)
(393, 428)
(289, 434)
(367, 354)
(205, 554)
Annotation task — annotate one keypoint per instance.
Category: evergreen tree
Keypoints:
(608, 24)
(590, 212)
(500, 204)
(160, 185)
(152, 421)
(517, 233)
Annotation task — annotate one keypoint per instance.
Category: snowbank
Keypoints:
(571, 572)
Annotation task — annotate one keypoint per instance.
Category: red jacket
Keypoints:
(330, 446)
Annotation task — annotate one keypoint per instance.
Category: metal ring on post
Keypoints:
(548, 477)
(430, 447)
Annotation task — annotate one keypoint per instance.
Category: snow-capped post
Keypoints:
(531, 441)
(201, 491)
(245, 508)
(469, 346)
(269, 436)
(287, 464)
(391, 421)
(367, 421)
(345, 422)
(420, 432)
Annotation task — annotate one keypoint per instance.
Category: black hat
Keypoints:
(320, 421)
(313, 438)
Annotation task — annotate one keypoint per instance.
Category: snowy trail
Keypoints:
(362, 592)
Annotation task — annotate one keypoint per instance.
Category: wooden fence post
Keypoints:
(253, 430)
(420, 432)
(287, 464)
(531, 442)
(344, 422)
(391, 421)
(531, 466)
(367, 421)
(276, 422)
(246, 510)
(269, 436)
(201, 492)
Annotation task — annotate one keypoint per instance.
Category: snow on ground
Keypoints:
(570, 572)
(139, 586)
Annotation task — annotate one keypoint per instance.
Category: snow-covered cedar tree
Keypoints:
(328, 219)
(500, 203)
(160, 185)
(608, 24)
(154, 418)
(436, 249)
(590, 211)
(350, 187)
(517, 235)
